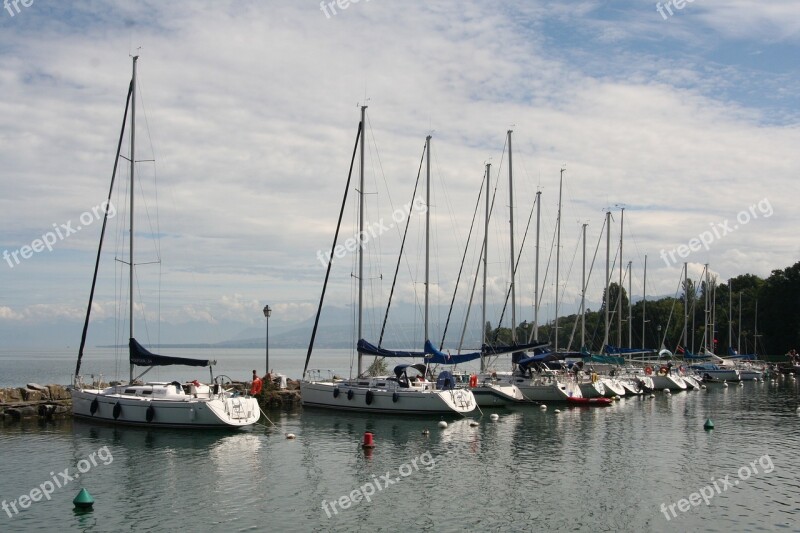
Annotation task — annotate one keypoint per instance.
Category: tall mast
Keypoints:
(583, 291)
(133, 166)
(712, 313)
(361, 244)
(739, 326)
(427, 227)
(730, 315)
(630, 307)
(608, 276)
(685, 305)
(644, 301)
(755, 331)
(485, 254)
(535, 330)
(558, 251)
(511, 226)
(619, 295)
(705, 311)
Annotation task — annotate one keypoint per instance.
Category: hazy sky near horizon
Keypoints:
(686, 117)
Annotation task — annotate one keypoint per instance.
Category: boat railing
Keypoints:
(316, 374)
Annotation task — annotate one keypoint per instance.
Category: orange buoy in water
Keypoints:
(369, 442)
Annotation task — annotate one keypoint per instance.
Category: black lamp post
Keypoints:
(267, 313)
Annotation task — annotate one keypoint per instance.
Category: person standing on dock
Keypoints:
(255, 388)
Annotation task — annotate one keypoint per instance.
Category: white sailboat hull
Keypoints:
(593, 390)
(497, 394)
(613, 388)
(720, 375)
(548, 389)
(691, 382)
(671, 382)
(399, 400)
(631, 387)
(220, 411)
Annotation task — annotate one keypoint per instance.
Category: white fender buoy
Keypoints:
(442, 424)
(652, 395)
(543, 407)
(472, 423)
(667, 391)
(425, 431)
(291, 436)
(724, 383)
(557, 411)
(495, 417)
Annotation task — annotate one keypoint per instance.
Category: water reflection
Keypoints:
(582, 469)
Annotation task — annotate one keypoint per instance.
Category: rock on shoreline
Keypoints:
(35, 401)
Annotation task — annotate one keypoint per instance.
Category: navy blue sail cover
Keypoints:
(370, 349)
(431, 354)
(140, 356)
(435, 356)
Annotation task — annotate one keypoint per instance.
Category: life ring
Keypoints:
(648, 370)
(150, 414)
(94, 406)
(369, 397)
(117, 410)
(663, 371)
(336, 392)
(473, 381)
(350, 394)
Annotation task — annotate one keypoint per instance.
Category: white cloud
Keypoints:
(252, 112)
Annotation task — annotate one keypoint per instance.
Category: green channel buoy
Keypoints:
(83, 500)
(709, 424)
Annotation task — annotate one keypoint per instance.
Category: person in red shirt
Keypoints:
(255, 388)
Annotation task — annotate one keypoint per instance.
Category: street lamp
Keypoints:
(267, 313)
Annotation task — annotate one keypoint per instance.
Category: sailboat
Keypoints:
(409, 389)
(535, 380)
(489, 389)
(156, 404)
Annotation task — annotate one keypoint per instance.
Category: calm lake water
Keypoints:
(585, 469)
(19, 367)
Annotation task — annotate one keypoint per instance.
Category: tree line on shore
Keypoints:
(764, 320)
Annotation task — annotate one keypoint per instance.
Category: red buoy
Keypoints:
(368, 440)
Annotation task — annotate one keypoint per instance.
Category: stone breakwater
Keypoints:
(35, 401)
(54, 401)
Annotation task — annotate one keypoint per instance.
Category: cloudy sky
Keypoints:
(686, 117)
